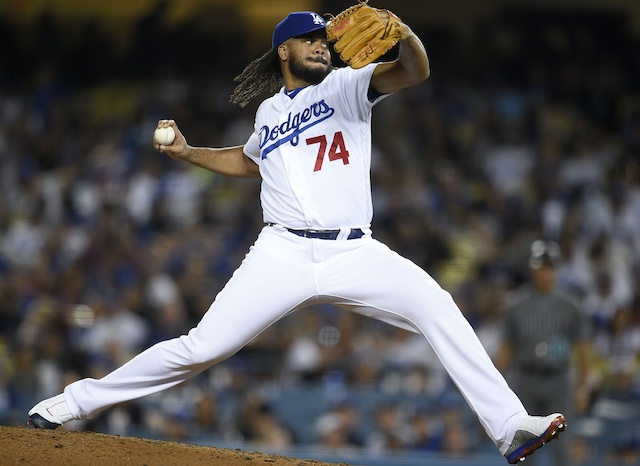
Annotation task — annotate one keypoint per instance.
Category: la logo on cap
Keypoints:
(317, 19)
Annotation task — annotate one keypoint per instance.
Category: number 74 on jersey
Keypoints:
(337, 150)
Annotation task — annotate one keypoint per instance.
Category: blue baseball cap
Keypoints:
(297, 24)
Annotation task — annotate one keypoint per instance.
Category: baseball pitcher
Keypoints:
(311, 148)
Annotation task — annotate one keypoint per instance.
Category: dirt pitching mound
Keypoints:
(22, 445)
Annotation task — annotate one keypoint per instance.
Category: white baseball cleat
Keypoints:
(50, 413)
(532, 433)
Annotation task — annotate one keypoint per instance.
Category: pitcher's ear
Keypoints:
(283, 52)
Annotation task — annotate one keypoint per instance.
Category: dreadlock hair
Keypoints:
(261, 75)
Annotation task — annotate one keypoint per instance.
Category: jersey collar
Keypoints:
(293, 92)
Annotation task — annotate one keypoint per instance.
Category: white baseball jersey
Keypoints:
(313, 148)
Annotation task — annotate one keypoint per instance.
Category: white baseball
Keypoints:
(164, 136)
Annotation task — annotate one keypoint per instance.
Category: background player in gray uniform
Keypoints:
(544, 330)
(311, 146)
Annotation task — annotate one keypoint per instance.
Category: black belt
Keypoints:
(355, 233)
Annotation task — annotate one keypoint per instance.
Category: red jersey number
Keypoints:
(337, 151)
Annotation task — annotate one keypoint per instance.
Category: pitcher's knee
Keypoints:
(198, 352)
(434, 306)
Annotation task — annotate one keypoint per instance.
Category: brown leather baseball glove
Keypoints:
(362, 34)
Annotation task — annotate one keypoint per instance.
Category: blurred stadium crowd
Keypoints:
(107, 247)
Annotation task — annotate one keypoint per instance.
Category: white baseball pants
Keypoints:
(282, 273)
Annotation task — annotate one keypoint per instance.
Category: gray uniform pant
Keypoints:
(544, 393)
